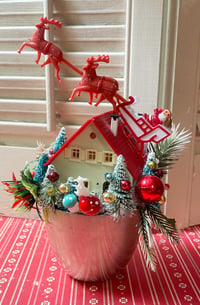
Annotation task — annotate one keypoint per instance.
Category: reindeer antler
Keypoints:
(99, 58)
(44, 20)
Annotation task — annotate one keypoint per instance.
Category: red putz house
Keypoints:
(92, 150)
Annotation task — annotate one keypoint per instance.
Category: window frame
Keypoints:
(110, 162)
(91, 153)
(77, 152)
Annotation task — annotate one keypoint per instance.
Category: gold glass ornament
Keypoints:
(109, 197)
(51, 191)
(151, 164)
(162, 200)
(64, 188)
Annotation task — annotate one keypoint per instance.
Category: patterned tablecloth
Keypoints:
(31, 275)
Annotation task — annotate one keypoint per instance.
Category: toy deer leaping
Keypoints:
(90, 82)
(38, 43)
(94, 84)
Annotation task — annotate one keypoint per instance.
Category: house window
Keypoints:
(91, 155)
(75, 154)
(108, 157)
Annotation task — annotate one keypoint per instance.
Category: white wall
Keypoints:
(13, 160)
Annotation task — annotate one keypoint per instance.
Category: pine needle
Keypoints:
(146, 239)
(166, 225)
(170, 149)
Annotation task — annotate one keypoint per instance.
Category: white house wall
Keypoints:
(93, 171)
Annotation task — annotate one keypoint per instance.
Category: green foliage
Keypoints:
(23, 199)
(41, 169)
(166, 225)
(169, 150)
(49, 193)
(60, 140)
(151, 214)
(124, 198)
(146, 239)
(29, 183)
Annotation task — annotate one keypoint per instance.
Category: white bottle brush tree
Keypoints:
(49, 194)
(121, 188)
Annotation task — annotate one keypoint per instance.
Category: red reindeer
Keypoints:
(94, 84)
(38, 43)
(90, 82)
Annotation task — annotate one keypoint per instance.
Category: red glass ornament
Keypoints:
(89, 205)
(149, 189)
(167, 186)
(159, 173)
(53, 176)
(125, 185)
(51, 152)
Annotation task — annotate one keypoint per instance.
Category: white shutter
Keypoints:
(89, 28)
(22, 82)
(30, 95)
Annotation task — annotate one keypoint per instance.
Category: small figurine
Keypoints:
(160, 116)
(38, 43)
(81, 190)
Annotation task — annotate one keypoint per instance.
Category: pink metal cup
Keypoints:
(92, 248)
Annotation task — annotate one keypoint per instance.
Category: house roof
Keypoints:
(120, 143)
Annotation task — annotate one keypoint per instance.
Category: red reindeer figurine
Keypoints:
(38, 43)
(94, 84)
(90, 82)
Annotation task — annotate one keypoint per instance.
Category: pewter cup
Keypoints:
(92, 248)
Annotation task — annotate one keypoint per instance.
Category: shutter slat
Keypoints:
(23, 116)
(68, 33)
(21, 7)
(22, 87)
(20, 105)
(22, 110)
(70, 113)
(27, 66)
(88, 33)
(64, 6)
(27, 57)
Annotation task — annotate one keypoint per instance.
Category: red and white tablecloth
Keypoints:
(31, 275)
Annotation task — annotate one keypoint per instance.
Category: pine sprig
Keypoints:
(146, 239)
(28, 182)
(170, 149)
(166, 225)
